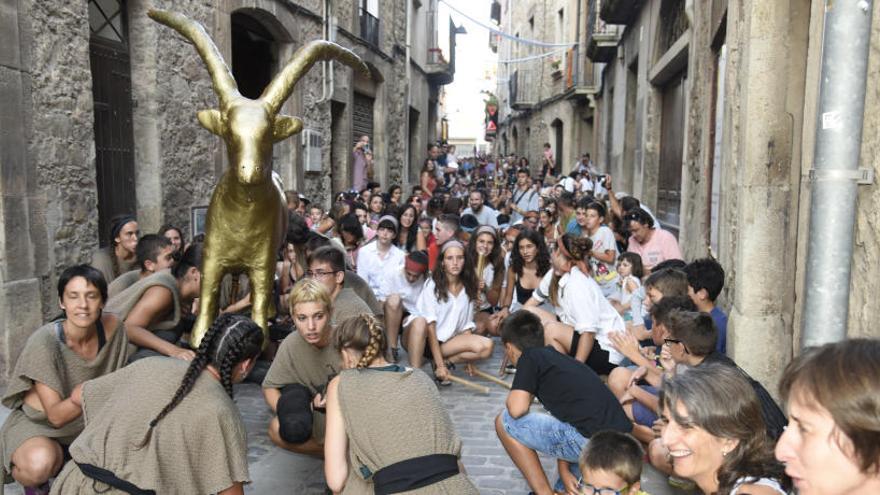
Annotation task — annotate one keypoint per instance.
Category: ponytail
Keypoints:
(230, 340)
(575, 249)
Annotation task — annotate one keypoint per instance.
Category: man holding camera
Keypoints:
(363, 163)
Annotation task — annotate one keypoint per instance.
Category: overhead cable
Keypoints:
(497, 31)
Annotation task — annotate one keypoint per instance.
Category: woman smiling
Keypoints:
(715, 432)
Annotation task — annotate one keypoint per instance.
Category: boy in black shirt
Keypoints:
(578, 402)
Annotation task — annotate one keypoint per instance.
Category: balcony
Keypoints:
(439, 70)
(622, 12)
(523, 89)
(369, 28)
(602, 38)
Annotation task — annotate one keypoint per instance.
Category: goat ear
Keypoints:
(285, 126)
(212, 121)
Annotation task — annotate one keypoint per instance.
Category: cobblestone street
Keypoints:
(277, 471)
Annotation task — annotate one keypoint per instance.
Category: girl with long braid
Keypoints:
(403, 443)
(167, 426)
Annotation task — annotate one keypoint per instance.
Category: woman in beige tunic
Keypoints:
(151, 308)
(179, 433)
(45, 389)
(403, 443)
(120, 256)
(295, 384)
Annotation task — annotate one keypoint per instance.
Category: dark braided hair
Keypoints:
(230, 340)
(363, 334)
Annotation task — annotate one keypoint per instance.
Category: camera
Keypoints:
(602, 180)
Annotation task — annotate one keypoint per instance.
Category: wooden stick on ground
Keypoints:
(486, 376)
(468, 383)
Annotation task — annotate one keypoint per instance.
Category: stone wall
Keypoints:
(48, 189)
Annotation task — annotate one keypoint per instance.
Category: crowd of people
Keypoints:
(600, 318)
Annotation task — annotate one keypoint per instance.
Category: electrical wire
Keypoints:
(497, 31)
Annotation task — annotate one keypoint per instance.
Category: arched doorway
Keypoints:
(111, 93)
(254, 54)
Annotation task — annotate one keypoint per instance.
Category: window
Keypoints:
(369, 19)
(106, 20)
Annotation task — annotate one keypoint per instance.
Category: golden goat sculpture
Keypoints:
(247, 216)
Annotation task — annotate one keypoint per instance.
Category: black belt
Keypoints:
(415, 473)
(108, 478)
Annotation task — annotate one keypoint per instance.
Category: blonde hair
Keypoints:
(309, 290)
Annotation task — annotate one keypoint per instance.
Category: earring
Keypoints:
(723, 453)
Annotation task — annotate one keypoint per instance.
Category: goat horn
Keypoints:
(221, 77)
(282, 84)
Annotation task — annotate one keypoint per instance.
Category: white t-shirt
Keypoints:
(582, 306)
(372, 267)
(586, 185)
(453, 316)
(397, 284)
(568, 184)
(488, 280)
(604, 273)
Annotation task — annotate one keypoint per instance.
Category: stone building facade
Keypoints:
(544, 92)
(706, 110)
(99, 118)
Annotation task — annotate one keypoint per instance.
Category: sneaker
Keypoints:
(395, 354)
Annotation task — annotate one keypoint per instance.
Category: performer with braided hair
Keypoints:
(168, 426)
(295, 384)
(586, 318)
(403, 443)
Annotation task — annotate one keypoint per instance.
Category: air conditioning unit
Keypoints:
(312, 144)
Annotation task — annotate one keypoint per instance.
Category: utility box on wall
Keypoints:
(311, 143)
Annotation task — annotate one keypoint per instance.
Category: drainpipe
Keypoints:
(836, 174)
(327, 66)
(406, 143)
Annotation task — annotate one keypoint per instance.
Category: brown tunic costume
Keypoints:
(300, 362)
(122, 303)
(348, 305)
(47, 360)
(200, 447)
(102, 259)
(123, 282)
(408, 422)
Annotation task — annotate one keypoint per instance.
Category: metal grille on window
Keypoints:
(106, 20)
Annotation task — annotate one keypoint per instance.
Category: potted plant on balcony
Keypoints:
(556, 65)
